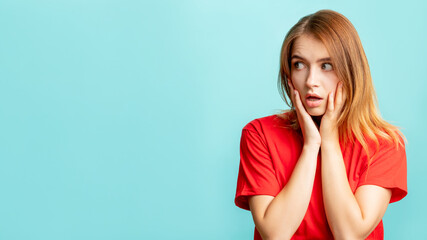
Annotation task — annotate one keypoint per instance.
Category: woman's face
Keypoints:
(312, 74)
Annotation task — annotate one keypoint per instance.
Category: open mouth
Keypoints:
(313, 101)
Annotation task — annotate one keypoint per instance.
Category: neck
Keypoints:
(317, 119)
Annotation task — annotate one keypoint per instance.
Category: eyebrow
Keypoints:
(318, 60)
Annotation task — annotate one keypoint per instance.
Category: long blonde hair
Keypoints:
(360, 117)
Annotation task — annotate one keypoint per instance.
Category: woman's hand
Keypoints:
(308, 127)
(328, 125)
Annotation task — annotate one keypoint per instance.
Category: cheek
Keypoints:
(331, 84)
(298, 80)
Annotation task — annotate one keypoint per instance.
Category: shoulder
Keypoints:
(273, 129)
(268, 123)
(387, 145)
(387, 166)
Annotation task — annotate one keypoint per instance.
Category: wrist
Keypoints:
(329, 137)
(312, 147)
(328, 143)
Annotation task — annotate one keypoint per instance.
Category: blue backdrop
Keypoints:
(122, 119)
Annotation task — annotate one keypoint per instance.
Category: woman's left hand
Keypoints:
(328, 126)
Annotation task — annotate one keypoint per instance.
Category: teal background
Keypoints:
(122, 119)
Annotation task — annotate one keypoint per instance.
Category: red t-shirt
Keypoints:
(269, 152)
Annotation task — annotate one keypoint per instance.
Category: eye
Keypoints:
(327, 66)
(298, 65)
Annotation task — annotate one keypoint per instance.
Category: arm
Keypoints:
(279, 217)
(349, 216)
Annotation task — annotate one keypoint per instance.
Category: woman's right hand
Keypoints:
(309, 129)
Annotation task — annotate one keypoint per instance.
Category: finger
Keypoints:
(338, 97)
(292, 95)
(342, 98)
(330, 106)
(296, 100)
(298, 104)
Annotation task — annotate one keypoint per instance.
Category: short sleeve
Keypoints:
(256, 171)
(388, 170)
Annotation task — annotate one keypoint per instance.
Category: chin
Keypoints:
(316, 112)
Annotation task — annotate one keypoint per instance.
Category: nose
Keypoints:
(312, 79)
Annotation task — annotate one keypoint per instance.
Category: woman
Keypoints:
(328, 167)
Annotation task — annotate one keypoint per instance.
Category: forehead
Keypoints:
(309, 48)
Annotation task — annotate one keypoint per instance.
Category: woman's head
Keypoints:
(320, 50)
(312, 73)
(339, 38)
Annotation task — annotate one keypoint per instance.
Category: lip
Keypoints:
(311, 103)
(312, 95)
